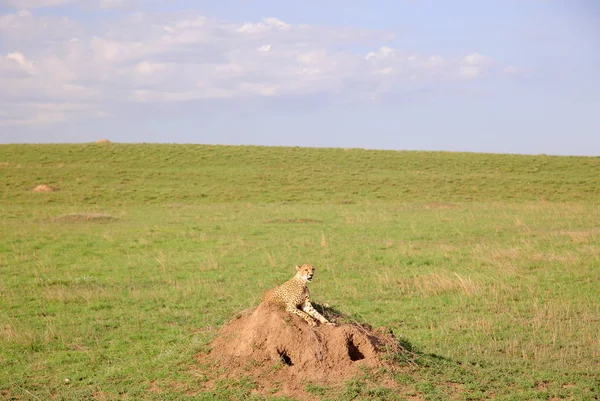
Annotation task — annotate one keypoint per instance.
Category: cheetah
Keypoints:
(294, 294)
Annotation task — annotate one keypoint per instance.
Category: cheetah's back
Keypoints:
(290, 292)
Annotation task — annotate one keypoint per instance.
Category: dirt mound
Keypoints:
(281, 353)
(44, 188)
(102, 141)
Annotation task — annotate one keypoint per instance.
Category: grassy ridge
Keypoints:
(129, 174)
(486, 264)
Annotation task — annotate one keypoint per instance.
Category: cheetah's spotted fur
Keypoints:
(294, 294)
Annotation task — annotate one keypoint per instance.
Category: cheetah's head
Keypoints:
(305, 272)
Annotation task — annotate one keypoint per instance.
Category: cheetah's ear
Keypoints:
(297, 268)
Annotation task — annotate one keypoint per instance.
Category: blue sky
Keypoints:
(505, 76)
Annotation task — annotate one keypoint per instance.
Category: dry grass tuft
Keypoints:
(580, 236)
(505, 260)
(568, 257)
(323, 241)
(7, 333)
(66, 294)
(437, 283)
(440, 205)
(275, 221)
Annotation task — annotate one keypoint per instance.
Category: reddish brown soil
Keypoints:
(282, 353)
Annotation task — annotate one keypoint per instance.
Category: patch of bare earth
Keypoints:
(154, 388)
(293, 221)
(5, 394)
(75, 217)
(281, 353)
(44, 188)
(440, 205)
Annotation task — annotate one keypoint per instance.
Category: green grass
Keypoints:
(487, 265)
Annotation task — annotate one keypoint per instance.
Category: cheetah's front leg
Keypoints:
(308, 308)
(302, 314)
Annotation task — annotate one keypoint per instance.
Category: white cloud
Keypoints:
(475, 65)
(259, 89)
(149, 68)
(181, 57)
(261, 27)
(274, 22)
(386, 71)
(113, 51)
(32, 113)
(33, 4)
(383, 52)
(114, 3)
(23, 63)
(476, 59)
(27, 32)
(22, 4)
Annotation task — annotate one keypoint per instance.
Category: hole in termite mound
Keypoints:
(284, 357)
(353, 351)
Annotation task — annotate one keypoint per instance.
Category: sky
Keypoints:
(501, 76)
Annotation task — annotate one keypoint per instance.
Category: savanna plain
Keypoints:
(485, 266)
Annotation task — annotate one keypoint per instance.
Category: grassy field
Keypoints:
(488, 266)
